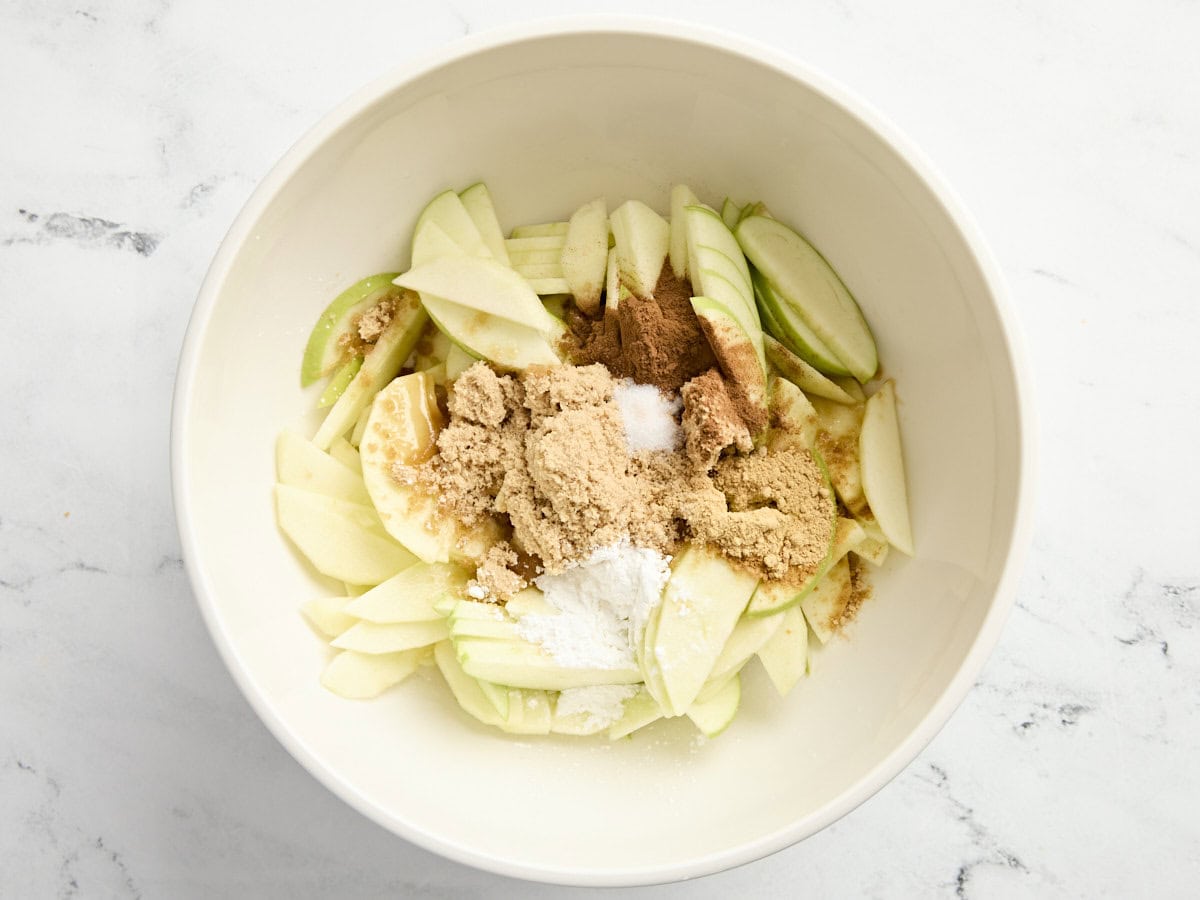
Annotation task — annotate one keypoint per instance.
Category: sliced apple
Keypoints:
(360, 676)
(712, 246)
(409, 595)
(300, 464)
(640, 710)
(545, 229)
(825, 607)
(343, 452)
(465, 689)
(735, 352)
(371, 637)
(342, 540)
(807, 283)
(529, 712)
(793, 418)
(582, 722)
(801, 374)
(772, 597)
(479, 284)
(328, 615)
(525, 246)
(585, 254)
(612, 282)
(431, 348)
(642, 239)
(701, 604)
(458, 361)
(730, 213)
(544, 287)
(785, 655)
(681, 198)
(477, 200)
(504, 343)
(326, 350)
(381, 365)
(874, 546)
(882, 462)
(838, 439)
(748, 637)
(337, 384)
(447, 211)
(791, 330)
(714, 716)
(521, 663)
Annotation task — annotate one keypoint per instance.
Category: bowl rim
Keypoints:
(711, 38)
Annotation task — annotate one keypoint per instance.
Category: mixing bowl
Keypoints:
(551, 116)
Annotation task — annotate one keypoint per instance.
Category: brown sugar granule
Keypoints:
(655, 340)
(482, 397)
(710, 421)
(496, 577)
(372, 323)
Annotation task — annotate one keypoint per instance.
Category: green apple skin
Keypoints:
(324, 351)
(791, 330)
(801, 374)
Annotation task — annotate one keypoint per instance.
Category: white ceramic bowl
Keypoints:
(551, 116)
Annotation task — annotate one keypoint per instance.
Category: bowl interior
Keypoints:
(550, 121)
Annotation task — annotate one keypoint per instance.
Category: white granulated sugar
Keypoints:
(600, 705)
(603, 604)
(651, 418)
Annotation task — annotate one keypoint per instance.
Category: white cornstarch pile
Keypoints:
(651, 419)
(600, 704)
(603, 604)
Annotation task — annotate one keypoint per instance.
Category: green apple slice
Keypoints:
(507, 344)
(642, 239)
(584, 256)
(477, 200)
(540, 271)
(551, 243)
(342, 540)
(381, 365)
(466, 690)
(300, 464)
(550, 256)
(773, 597)
(545, 229)
(681, 198)
(458, 361)
(801, 374)
(735, 351)
(793, 417)
(792, 331)
(479, 284)
(825, 605)
(882, 463)
(431, 348)
(447, 211)
(753, 209)
(403, 425)
(730, 213)
(547, 286)
(706, 229)
(529, 712)
(701, 604)
(748, 637)
(409, 595)
(337, 384)
(371, 637)
(360, 676)
(341, 450)
(785, 656)
(523, 664)
(874, 547)
(499, 696)
(713, 716)
(328, 615)
(326, 350)
(805, 281)
(640, 710)
(838, 439)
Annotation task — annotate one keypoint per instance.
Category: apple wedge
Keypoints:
(714, 715)
(409, 595)
(874, 546)
(793, 418)
(681, 198)
(882, 462)
(342, 540)
(381, 365)
(480, 284)
(731, 213)
(584, 256)
(326, 349)
(371, 637)
(771, 598)
(465, 689)
(360, 676)
(341, 450)
(838, 439)
(328, 615)
(735, 351)
(640, 710)
(529, 712)
(808, 285)
(785, 655)
(504, 343)
(801, 374)
(825, 606)
(544, 229)
(447, 211)
(701, 604)
(300, 464)
(642, 239)
(792, 331)
(520, 663)
(748, 637)
(338, 383)
(477, 201)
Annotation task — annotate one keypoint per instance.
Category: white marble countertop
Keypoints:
(132, 133)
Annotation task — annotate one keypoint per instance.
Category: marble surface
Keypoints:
(130, 765)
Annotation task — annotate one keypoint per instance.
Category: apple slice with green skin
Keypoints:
(772, 597)
(326, 350)
(465, 689)
(529, 712)
(360, 676)
(825, 606)
(338, 383)
(447, 211)
(371, 637)
(477, 201)
(874, 547)
(681, 198)
(708, 235)
(806, 282)
(642, 239)
(882, 462)
(341, 450)
(640, 710)
(342, 540)
(544, 287)
(701, 604)
(793, 417)
(735, 351)
(523, 664)
(545, 229)
(850, 385)
(483, 285)
(499, 696)
(328, 615)
(584, 256)
(801, 374)
(785, 655)
(749, 636)
(838, 439)
(458, 361)
(381, 365)
(714, 715)
(506, 344)
(792, 331)
(551, 243)
(551, 255)
(540, 271)
(752, 209)
(731, 213)
(402, 428)
(300, 464)
(408, 596)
